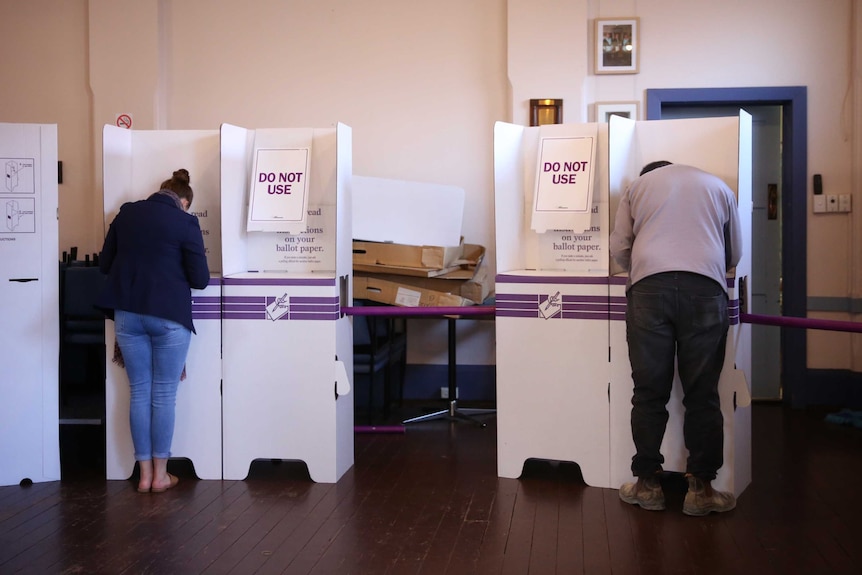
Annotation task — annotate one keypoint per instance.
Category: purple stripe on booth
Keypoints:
(601, 299)
(622, 280)
(279, 282)
(309, 309)
(206, 298)
(579, 307)
(518, 279)
(205, 315)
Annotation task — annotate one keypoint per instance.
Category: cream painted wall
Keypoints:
(44, 81)
(421, 84)
(740, 43)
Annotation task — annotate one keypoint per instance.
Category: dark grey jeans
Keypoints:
(682, 316)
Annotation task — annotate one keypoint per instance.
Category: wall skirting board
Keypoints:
(423, 383)
(475, 382)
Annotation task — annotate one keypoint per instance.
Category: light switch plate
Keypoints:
(819, 204)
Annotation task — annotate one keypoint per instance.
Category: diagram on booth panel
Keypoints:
(18, 175)
(20, 215)
(278, 308)
(552, 306)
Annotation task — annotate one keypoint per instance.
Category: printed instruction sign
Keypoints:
(563, 196)
(310, 250)
(583, 253)
(279, 190)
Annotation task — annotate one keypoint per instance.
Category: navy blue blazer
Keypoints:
(153, 255)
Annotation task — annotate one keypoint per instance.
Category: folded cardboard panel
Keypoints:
(404, 270)
(419, 257)
(394, 293)
(406, 212)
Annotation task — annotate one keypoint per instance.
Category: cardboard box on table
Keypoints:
(390, 292)
(421, 258)
(288, 350)
(29, 300)
(135, 163)
(561, 316)
(471, 279)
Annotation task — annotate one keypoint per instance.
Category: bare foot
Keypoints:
(145, 483)
(165, 484)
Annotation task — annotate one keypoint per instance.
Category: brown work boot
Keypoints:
(646, 492)
(702, 499)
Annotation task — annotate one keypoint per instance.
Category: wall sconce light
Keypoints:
(546, 112)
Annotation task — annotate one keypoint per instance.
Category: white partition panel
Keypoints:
(287, 347)
(721, 146)
(552, 372)
(548, 366)
(552, 315)
(135, 163)
(29, 303)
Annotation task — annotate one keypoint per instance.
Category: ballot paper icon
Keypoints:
(552, 306)
(278, 308)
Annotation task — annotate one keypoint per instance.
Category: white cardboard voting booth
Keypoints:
(563, 375)
(287, 265)
(551, 308)
(29, 303)
(135, 163)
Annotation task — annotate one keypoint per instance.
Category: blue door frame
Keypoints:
(794, 205)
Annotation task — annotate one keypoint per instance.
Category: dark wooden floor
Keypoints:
(429, 501)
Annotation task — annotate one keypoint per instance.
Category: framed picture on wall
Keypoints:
(604, 110)
(617, 46)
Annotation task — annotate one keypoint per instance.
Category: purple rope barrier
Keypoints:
(803, 322)
(488, 310)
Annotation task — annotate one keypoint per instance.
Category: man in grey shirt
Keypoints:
(677, 233)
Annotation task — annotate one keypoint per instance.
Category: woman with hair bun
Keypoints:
(153, 256)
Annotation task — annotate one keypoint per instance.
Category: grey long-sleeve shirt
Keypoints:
(677, 218)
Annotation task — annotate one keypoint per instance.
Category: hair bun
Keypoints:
(182, 175)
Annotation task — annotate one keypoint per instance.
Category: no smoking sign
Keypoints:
(124, 121)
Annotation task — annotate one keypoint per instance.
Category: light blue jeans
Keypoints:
(154, 352)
